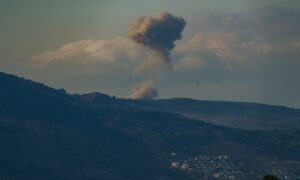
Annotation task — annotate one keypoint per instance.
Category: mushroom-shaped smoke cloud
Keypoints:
(157, 33)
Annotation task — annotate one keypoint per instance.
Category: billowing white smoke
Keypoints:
(157, 34)
(144, 90)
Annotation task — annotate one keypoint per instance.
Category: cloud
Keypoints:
(237, 38)
(191, 62)
(144, 90)
(214, 50)
(217, 43)
(256, 50)
(269, 49)
(223, 49)
(103, 50)
(158, 34)
(295, 45)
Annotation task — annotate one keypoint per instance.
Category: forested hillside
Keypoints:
(49, 134)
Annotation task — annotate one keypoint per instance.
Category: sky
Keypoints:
(233, 50)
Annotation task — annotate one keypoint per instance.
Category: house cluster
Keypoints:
(216, 167)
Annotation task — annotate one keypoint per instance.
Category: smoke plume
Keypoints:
(158, 34)
(144, 90)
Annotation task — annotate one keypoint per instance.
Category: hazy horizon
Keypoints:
(239, 51)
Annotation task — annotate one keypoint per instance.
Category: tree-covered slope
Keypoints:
(49, 134)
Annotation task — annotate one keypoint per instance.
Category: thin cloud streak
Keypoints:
(100, 50)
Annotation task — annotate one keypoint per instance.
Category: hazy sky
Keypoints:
(235, 50)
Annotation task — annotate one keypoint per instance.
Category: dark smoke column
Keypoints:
(158, 34)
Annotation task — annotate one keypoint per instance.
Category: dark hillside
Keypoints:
(48, 134)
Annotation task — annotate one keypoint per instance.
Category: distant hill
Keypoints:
(231, 114)
(49, 134)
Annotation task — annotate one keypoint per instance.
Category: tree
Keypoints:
(270, 177)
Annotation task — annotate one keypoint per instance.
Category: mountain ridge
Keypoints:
(248, 116)
(49, 134)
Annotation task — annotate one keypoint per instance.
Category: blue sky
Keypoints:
(233, 50)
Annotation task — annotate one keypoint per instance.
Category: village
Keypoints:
(218, 167)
